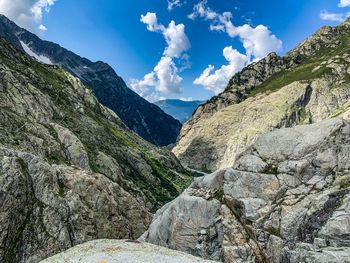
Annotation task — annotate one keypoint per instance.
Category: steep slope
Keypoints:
(70, 170)
(309, 84)
(179, 109)
(286, 199)
(146, 119)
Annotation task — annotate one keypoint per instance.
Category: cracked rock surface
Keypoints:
(286, 199)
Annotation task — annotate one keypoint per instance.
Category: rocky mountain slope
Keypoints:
(121, 251)
(146, 119)
(179, 109)
(286, 199)
(309, 84)
(70, 170)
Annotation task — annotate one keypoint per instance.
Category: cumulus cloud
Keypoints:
(164, 79)
(217, 80)
(27, 13)
(336, 17)
(257, 42)
(344, 3)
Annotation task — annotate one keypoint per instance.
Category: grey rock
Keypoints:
(294, 209)
(120, 251)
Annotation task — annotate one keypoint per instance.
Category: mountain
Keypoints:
(70, 170)
(179, 109)
(309, 84)
(286, 199)
(146, 119)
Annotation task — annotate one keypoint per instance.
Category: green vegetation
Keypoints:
(62, 189)
(274, 231)
(306, 70)
(286, 77)
(219, 195)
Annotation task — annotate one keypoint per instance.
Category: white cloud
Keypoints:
(344, 3)
(164, 79)
(176, 39)
(336, 17)
(217, 81)
(42, 28)
(174, 3)
(26, 13)
(174, 35)
(150, 19)
(167, 79)
(257, 42)
(201, 10)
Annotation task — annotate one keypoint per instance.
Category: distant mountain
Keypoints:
(180, 110)
(145, 118)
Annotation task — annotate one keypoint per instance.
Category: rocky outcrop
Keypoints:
(49, 208)
(309, 84)
(286, 199)
(120, 251)
(141, 116)
(70, 170)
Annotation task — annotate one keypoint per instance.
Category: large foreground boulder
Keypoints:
(121, 251)
(285, 200)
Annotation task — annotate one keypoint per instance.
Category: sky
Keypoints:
(184, 49)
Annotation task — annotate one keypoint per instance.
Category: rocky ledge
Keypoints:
(286, 199)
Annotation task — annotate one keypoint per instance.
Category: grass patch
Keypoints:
(286, 77)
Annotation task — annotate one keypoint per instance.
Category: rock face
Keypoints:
(286, 199)
(144, 118)
(121, 251)
(307, 85)
(70, 170)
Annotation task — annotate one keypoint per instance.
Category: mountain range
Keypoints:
(179, 109)
(141, 116)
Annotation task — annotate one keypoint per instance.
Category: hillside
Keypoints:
(70, 170)
(309, 84)
(146, 119)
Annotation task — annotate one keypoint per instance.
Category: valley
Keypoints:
(90, 171)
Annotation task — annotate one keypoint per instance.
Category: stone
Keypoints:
(120, 251)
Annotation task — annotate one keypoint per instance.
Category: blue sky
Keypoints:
(111, 31)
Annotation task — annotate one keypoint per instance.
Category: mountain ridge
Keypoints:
(314, 78)
(70, 169)
(143, 117)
